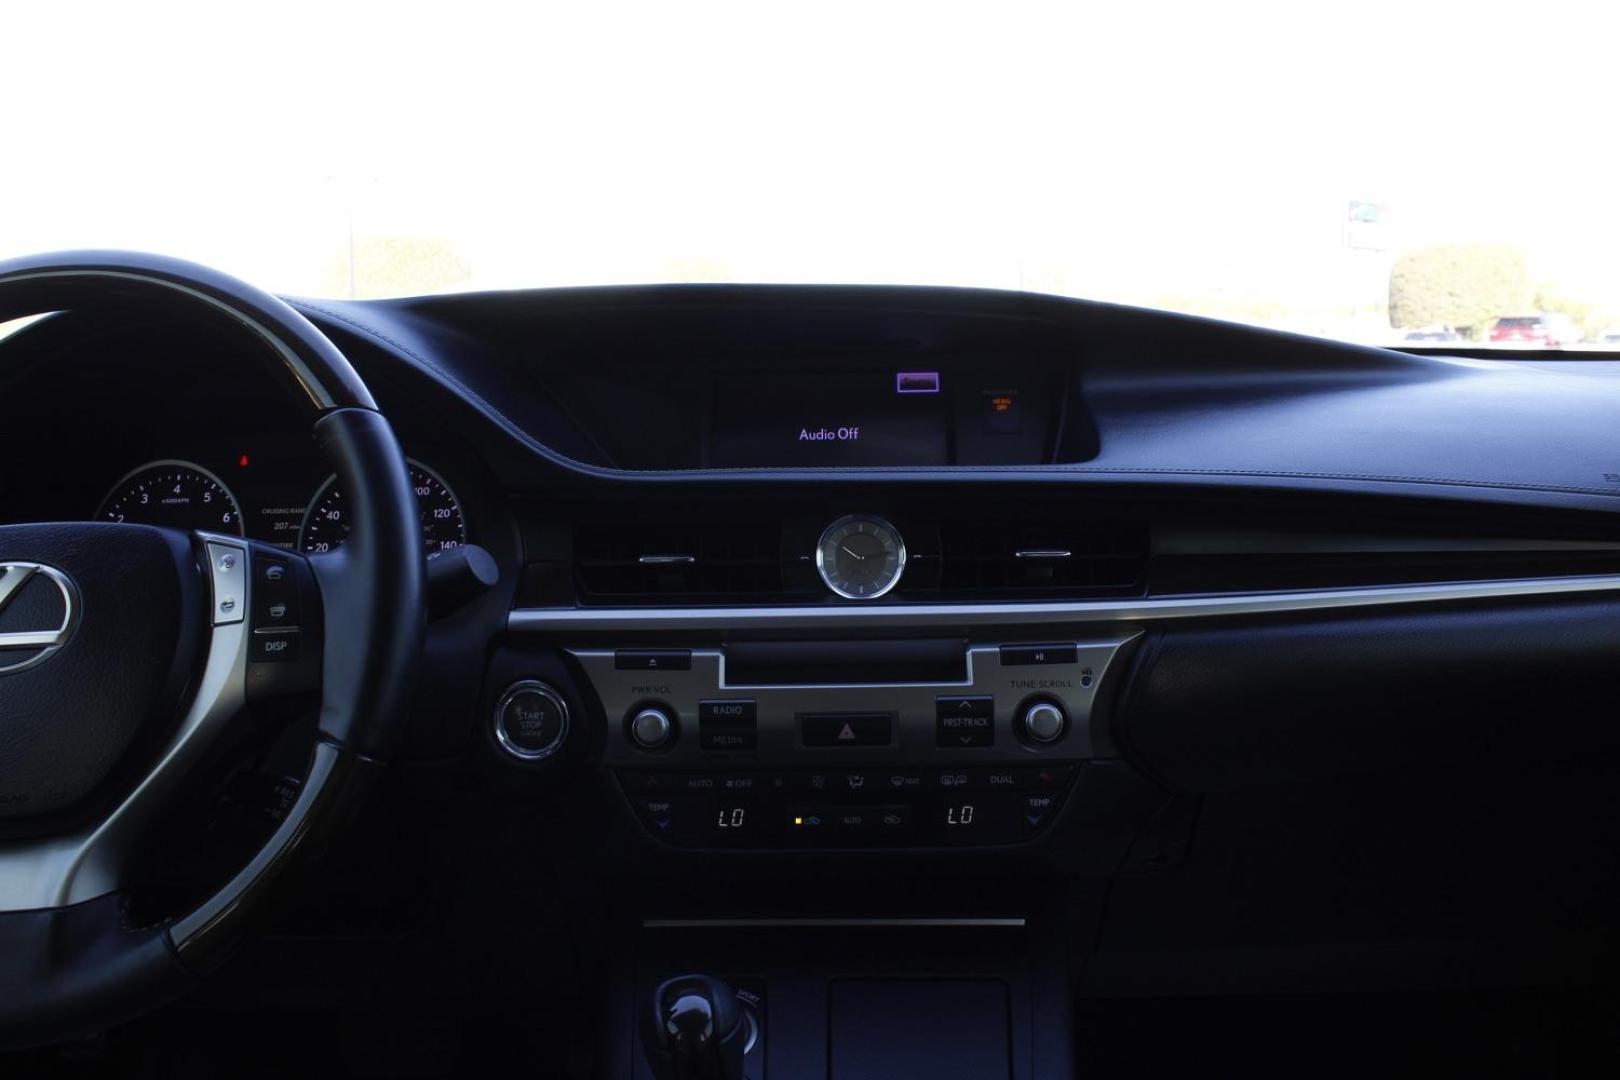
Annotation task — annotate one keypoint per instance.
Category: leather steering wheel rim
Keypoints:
(77, 968)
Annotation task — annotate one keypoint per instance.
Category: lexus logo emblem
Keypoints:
(32, 631)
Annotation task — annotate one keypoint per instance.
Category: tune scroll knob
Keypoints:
(1043, 723)
(652, 727)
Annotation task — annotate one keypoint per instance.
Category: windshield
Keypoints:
(1382, 173)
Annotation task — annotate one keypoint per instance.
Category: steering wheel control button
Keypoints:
(274, 646)
(652, 660)
(1043, 723)
(964, 722)
(1032, 655)
(821, 731)
(275, 594)
(652, 727)
(531, 721)
(728, 725)
(228, 574)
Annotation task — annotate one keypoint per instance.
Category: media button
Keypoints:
(728, 725)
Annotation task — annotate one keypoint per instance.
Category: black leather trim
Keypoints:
(68, 972)
(336, 783)
(373, 588)
(1288, 701)
(295, 350)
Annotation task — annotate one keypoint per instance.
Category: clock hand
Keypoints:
(857, 558)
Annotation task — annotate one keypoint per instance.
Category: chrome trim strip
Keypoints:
(667, 560)
(1043, 553)
(1006, 922)
(1153, 609)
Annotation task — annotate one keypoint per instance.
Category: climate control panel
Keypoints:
(856, 807)
(883, 743)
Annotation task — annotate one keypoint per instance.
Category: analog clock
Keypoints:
(860, 557)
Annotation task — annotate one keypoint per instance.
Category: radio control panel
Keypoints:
(972, 743)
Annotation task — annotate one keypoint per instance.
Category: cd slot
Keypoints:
(846, 663)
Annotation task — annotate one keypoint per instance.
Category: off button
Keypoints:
(530, 721)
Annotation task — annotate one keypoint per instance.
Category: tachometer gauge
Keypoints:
(326, 522)
(861, 557)
(176, 494)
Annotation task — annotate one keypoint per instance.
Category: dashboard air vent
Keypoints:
(1041, 557)
(626, 562)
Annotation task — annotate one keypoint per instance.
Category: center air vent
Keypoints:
(1043, 557)
(631, 562)
(736, 555)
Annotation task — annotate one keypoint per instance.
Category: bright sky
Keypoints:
(1137, 152)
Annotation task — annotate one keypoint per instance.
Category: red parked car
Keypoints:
(1553, 330)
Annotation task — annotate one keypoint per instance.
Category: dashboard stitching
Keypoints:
(495, 413)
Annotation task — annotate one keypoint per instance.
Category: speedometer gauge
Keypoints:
(326, 522)
(176, 494)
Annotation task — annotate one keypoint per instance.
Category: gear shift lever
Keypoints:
(696, 1030)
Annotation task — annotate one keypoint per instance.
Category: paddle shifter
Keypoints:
(696, 1030)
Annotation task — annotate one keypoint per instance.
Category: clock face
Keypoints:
(860, 557)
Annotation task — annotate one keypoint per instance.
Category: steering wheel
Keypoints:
(127, 651)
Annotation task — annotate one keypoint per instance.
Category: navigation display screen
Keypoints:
(826, 420)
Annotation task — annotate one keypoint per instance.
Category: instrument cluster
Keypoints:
(265, 501)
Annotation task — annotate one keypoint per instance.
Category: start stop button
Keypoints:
(531, 721)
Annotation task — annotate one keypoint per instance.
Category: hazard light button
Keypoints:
(823, 730)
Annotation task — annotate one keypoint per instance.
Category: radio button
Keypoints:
(728, 711)
(728, 725)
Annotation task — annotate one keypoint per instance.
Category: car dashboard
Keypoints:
(1094, 654)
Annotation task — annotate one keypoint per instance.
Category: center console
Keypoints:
(855, 744)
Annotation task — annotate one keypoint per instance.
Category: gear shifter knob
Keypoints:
(696, 1030)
